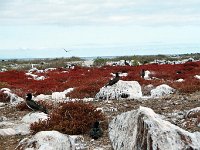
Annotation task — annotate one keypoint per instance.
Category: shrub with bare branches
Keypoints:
(70, 118)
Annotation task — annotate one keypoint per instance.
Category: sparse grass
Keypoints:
(20, 64)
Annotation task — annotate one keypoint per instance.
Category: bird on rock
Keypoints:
(126, 63)
(114, 80)
(96, 131)
(33, 105)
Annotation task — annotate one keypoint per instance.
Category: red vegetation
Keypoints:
(70, 118)
(87, 81)
(4, 97)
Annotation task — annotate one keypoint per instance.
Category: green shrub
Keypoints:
(100, 61)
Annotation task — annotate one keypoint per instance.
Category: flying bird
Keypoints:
(66, 50)
(96, 131)
(114, 80)
(33, 105)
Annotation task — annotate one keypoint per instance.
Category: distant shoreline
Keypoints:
(92, 57)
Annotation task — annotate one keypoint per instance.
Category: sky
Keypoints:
(44, 28)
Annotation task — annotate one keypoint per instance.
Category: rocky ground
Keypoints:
(172, 108)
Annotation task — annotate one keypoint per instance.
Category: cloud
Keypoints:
(99, 12)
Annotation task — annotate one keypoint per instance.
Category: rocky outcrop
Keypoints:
(21, 127)
(51, 140)
(162, 90)
(192, 118)
(142, 129)
(193, 113)
(14, 99)
(121, 90)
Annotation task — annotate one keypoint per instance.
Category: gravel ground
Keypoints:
(172, 108)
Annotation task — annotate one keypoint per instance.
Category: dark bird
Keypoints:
(96, 131)
(142, 73)
(114, 80)
(178, 72)
(126, 63)
(33, 105)
(66, 50)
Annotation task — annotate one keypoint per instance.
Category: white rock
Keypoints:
(162, 90)
(197, 76)
(47, 140)
(68, 90)
(61, 95)
(123, 74)
(193, 113)
(35, 77)
(33, 69)
(40, 78)
(2, 104)
(180, 80)
(5, 89)
(88, 63)
(42, 97)
(14, 99)
(142, 129)
(3, 70)
(146, 75)
(34, 117)
(7, 132)
(130, 88)
(49, 69)
(58, 95)
(21, 127)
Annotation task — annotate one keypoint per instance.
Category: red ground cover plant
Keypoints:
(70, 118)
(88, 81)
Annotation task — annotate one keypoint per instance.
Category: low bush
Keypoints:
(4, 97)
(70, 118)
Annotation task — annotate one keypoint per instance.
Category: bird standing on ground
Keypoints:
(33, 105)
(114, 80)
(96, 131)
(142, 73)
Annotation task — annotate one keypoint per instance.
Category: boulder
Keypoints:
(14, 99)
(147, 75)
(120, 90)
(193, 113)
(51, 140)
(21, 127)
(142, 129)
(34, 117)
(197, 76)
(162, 90)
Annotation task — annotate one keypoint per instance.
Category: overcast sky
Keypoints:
(42, 28)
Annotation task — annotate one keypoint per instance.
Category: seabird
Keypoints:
(142, 73)
(114, 80)
(66, 50)
(96, 131)
(126, 63)
(33, 105)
